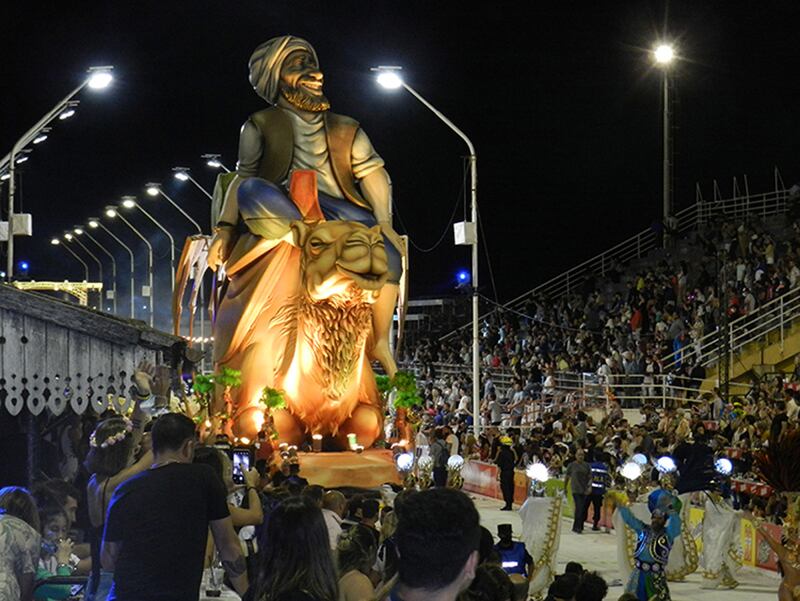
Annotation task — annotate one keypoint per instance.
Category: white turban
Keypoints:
(266, 61)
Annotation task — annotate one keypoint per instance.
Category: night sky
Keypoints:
(560, 99)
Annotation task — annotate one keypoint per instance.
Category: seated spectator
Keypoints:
(356, 554)
(57, 558)
(438, 533)
(20, 543)
(296, 563)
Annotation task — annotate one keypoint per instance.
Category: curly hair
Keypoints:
(18, 502)
(110, 460)
(356, 550)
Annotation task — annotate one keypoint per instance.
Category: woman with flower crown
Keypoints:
(110, 462)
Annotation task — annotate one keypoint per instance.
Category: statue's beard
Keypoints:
(301, 99)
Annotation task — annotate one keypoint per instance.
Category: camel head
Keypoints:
(342, 259)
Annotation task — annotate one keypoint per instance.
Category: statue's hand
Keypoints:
(394, 238)
(219, 249)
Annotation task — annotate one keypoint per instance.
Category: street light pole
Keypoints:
(389, 78)
(113, 212)
(156, 189)
(182, 174)
(57, 242)
(130, 202)
(97, 223)
(99, 78)
(664, 56)
(80, 231)
(70, 238)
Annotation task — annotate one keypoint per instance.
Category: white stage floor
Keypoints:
(597, 552)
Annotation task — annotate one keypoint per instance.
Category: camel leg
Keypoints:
(365, 423)
(382, 315)
(288, 427)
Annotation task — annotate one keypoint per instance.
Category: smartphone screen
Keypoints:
(242, 460)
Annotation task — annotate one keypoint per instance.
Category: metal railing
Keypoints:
(588, 389)
(701, 212)
(778, 315)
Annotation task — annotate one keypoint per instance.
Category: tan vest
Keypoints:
(276, 130)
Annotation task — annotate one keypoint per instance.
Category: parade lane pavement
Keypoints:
(597, 552)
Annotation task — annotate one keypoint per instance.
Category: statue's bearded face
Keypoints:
(301, 82)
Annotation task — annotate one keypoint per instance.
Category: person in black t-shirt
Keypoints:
(157, 523)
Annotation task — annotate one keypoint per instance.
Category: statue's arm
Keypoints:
(376, 185)
(251, 148)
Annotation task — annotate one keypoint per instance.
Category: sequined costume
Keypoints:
(648, 580)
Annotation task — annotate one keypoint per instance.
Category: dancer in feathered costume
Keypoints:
(648, 580)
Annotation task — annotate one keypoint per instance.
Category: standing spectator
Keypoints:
(155, 532)
(355, 555)
(506, 459)
(438, 534)
(440, 453)
(600, 482)
(333, 507)
(296, 562)
(19, 543)
(110, 462)
(579, 475)
(451, 440)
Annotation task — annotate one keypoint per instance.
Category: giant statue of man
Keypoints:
(298, 132)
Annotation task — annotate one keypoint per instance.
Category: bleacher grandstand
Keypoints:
(644, 320)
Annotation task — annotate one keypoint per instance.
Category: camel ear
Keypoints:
(300, 231)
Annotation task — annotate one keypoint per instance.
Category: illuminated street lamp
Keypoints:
(57, 242)
(214, 161)
(112, 213)
(664, 56)
(390, 79)
(95, 223)
(154, 190)
(79, 231)
(98, 78)
(129, 202)
(182, 174)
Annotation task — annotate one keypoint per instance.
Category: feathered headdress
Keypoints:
(778, 463)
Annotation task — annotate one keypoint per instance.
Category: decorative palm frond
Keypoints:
(779, 464)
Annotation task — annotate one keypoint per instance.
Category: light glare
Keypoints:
(405, 461)
(666, 464)
(99, 80)
(68, 236)
(538, 472)
(631, 470)
(389, 80)
(724, 466)
(664, 54)
(78, 231)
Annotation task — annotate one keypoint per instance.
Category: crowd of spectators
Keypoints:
(630, 325)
